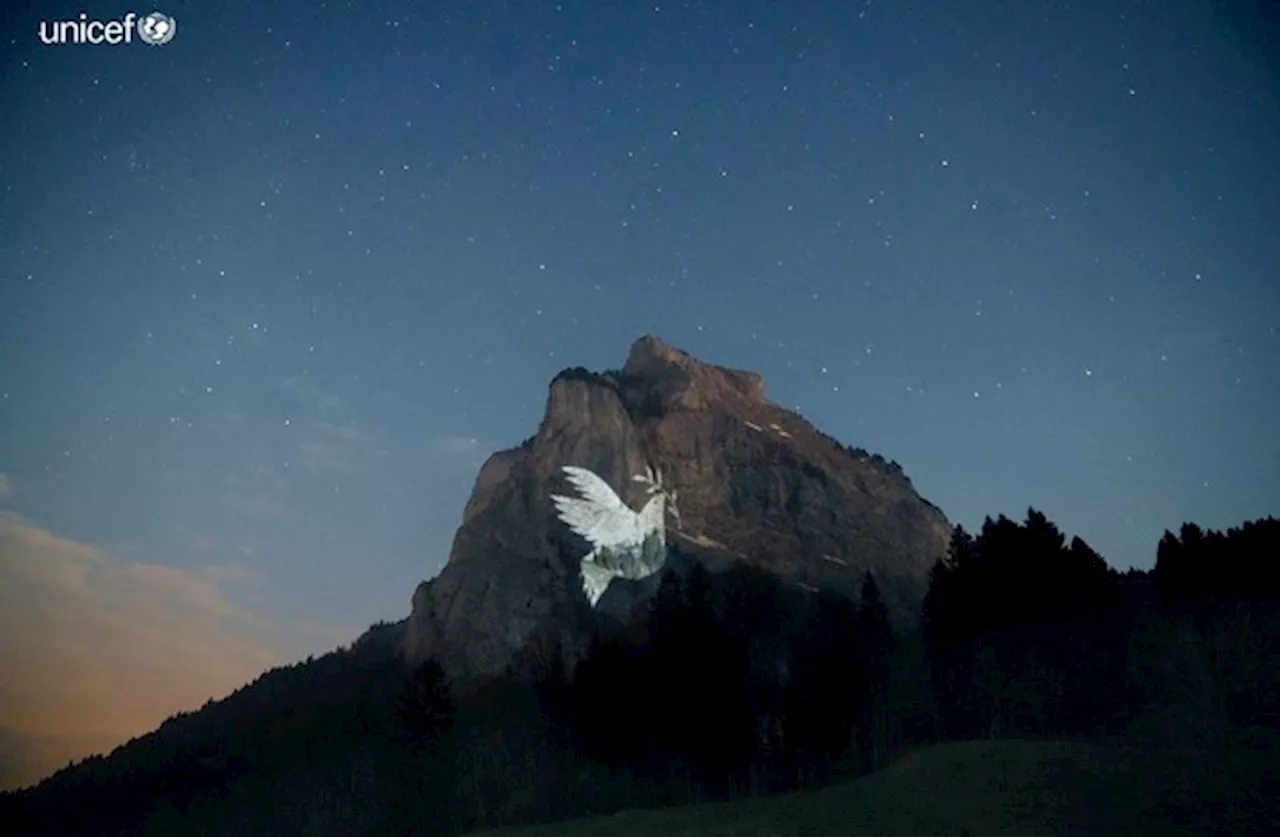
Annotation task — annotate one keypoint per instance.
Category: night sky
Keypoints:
(270, 293)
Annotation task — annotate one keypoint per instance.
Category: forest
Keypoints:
(733, 685)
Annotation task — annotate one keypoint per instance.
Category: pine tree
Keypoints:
(425, 706)
(877, 642)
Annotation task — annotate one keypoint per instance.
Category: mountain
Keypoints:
(760, 490)
(758, 486)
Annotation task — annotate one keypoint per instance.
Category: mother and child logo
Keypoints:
(155, 29)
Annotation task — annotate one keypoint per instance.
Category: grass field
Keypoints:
(973, 788)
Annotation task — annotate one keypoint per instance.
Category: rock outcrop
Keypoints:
(758, 485)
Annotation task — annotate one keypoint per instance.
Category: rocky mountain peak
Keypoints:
(758, 486)
(686, 383)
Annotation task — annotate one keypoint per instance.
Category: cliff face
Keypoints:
(757, 483)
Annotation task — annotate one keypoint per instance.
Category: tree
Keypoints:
(425, 706)
(876, 644)
(873, 627)
(827, 691)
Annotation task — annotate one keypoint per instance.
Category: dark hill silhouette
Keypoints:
(738, 683)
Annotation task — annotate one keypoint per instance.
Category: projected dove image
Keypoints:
(624, 543)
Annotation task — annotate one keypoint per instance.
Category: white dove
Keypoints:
(624, 543)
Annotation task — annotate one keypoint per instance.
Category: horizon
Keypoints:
(256, 342)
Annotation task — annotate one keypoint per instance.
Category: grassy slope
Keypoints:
(972, 788)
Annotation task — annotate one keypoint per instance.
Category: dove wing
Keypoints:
(592, 487)
(600, 516)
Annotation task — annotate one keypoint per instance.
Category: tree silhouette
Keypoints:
(827, 691)
(876, 644)
(873, 629)
(425, 706)
(1017, 613)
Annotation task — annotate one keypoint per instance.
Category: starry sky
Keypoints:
(270, 293)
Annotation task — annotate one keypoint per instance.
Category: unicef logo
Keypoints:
(157, 28)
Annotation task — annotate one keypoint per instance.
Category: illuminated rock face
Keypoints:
(624, 543)
(759, 486)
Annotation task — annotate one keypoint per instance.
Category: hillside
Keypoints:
(961, 789)
(727, 691)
